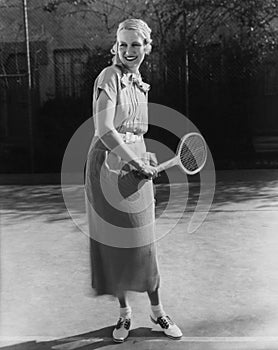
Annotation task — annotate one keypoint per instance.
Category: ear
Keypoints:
(117, 57)
(148, 48)
(114, 48)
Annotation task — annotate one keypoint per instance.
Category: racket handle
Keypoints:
(168, 164)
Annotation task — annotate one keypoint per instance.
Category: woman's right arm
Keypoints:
(104, 120)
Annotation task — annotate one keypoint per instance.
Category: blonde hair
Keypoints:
(133, 24)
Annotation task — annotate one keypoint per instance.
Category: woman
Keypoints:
(119, 192)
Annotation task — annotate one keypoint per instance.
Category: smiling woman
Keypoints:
(119, 189)
(131, 49)
(133, 42)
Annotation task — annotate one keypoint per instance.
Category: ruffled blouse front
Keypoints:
(129, 94)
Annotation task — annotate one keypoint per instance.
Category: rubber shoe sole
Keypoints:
(164, 330)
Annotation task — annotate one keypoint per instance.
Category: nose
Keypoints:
(129, 50)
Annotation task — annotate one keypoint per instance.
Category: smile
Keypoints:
(130, 58)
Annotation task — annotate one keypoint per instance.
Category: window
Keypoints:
(69, 72)
(13, 93)
(16, 63)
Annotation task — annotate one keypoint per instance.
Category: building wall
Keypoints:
(57, 31)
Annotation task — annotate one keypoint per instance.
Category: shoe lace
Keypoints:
(125, 322)
(164, 322)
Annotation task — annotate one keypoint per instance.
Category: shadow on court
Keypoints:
(25, 202)
(253, 191)
(91, 340)
(46, 201)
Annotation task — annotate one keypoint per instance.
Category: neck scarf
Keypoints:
(133, 78)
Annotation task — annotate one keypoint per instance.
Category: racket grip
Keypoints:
(168, 164)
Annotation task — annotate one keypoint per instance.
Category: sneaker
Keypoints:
(167, 326)
(121, 331)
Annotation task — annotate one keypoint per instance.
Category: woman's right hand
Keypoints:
(148, 171)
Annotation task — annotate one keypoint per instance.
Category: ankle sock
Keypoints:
(157, 311)
(125, 312)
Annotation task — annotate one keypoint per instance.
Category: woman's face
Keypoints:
(131, 49)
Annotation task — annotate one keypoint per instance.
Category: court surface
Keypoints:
(219, 283)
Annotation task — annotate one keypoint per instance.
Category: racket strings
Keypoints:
(193, 153)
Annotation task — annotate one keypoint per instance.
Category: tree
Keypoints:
(109, 12)
(249, 27)
(249, 23)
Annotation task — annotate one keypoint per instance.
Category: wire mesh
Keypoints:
(69, 46)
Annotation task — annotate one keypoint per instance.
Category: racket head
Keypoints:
(192, 153)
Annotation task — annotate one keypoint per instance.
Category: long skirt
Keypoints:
(121, 220)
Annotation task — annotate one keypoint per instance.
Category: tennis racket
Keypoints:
(191, 155)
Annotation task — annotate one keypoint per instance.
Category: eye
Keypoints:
(123, 45)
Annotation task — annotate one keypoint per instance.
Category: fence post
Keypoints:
(186, 83)
(185, 49)
(29, 103)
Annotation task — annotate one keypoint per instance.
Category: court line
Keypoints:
(84, 342)
(79, 341)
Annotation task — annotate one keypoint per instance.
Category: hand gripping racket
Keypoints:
(191, 155)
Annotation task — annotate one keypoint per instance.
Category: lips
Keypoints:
(130, 58)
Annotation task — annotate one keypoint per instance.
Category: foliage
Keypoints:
(109, 12)
(249, 25)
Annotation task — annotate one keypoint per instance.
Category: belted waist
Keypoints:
(130, 137)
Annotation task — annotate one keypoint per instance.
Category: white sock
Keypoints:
(125, 312)
(157, 311)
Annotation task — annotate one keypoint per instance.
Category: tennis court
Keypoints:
(219, 283)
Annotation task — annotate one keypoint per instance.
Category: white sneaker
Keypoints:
(166, 325)
(121, 331)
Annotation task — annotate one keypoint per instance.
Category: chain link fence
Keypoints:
(222, 93)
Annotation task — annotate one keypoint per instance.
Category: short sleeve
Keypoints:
(107, 81)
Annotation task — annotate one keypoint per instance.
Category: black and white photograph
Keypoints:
(139, 174)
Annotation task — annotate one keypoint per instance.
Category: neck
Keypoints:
(134, 70)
